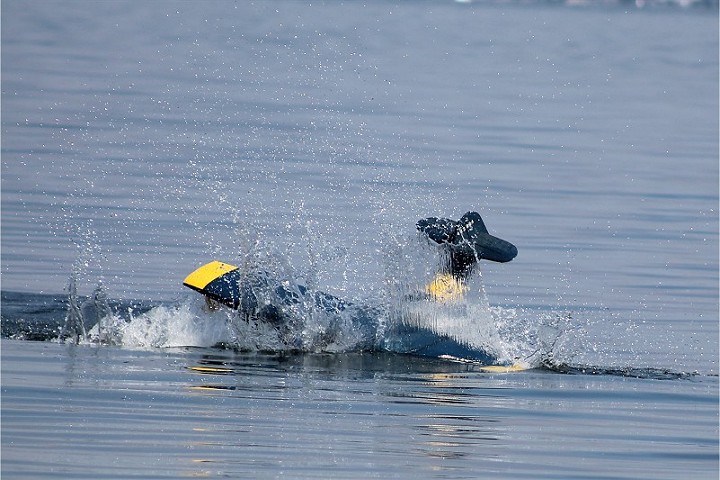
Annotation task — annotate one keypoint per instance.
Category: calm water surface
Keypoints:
(119, 413)
(140, 140)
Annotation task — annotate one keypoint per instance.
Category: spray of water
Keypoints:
(292, 314)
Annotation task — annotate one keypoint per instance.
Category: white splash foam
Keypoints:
(188, 324)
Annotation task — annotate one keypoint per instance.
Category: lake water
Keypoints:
(115, 413)
(141, 140)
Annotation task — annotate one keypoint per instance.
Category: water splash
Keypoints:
(289, 312)
(285, 313)
(74, 328)
(557, 341)
(93, 311)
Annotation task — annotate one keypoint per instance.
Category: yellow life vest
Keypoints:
(446, 288)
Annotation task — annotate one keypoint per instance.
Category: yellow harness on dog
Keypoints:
(446, 288)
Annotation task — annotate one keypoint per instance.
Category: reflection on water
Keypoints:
(418, 406)
(205, 412)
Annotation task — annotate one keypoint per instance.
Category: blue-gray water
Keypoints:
(116, 413)
(141, 140)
